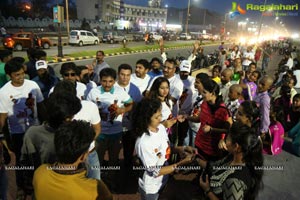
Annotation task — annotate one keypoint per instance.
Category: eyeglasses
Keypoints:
(168, 68)
(69, 74)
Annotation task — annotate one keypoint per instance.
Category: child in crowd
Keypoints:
(249, 85)
(248, 114)
(263, 100)
(226, 76)
(235, 92)
(252, 67)
(274, 139)
(216, 71)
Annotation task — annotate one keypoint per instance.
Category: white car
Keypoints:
(156, 36)
(82, 37)
(185, 36)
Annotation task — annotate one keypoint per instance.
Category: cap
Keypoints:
(41, 64)
(185, 66)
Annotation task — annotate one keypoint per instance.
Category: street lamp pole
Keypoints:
(67, 18)
(187, 17)
(226, 14)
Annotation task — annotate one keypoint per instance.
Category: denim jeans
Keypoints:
(93, 166)
(145, 196)
(265, 63)
(190, 138)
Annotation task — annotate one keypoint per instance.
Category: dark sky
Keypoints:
(223, 6)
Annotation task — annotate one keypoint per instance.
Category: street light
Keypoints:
(226, 15)
(67, 18)
(187, 17)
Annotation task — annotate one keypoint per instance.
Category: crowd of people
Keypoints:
(60, 129)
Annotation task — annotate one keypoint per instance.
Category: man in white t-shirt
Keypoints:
(185, 100)
(113, 103)
(83, 77)
(21, 104)
(248, 57)
(140, 78)
(68, 71)
(128, 137)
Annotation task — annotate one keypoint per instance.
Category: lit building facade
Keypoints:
(148, 18)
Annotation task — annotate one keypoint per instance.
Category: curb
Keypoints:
(113, 54)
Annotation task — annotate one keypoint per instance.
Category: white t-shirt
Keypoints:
(290, 63)
(136, 96)
(166, 111)
(188, 86)
(249, 55)
(235, 55)
(103, 100)
(80, 90)
(297, 74)
(142, 84)
(88, 112)
(154, 151)
(13, 102)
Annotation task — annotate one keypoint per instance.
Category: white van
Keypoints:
(82, 37)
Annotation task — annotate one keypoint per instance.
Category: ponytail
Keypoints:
(251, 146)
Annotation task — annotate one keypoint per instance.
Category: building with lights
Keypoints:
(121, 15)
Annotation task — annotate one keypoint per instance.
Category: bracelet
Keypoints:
(208, 191)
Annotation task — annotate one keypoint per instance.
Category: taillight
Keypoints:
(77, 37)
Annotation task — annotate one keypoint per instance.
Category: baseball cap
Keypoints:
(185, 66)
(41, 64)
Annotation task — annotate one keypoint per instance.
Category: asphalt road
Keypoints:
(102, 46)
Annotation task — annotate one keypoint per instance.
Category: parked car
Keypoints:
(113, 37)
(138, 36)
(155, 35)
(170, 36)
(23, 40)
(185, 36)
(82, 37)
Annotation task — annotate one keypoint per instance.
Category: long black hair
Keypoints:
(251, 147)
(154, 90)
(145, 109)
(251, 110)
(212, 87)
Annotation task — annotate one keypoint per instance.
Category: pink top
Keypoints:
(277, 134)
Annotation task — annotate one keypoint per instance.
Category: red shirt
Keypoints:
(208, 142)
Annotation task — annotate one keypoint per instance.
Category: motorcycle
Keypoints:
(213, 58)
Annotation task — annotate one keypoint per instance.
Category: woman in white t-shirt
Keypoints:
(160, 89)
(235, 53)
(153, 148)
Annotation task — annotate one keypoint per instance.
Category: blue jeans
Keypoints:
(190, 138)
(145, 196)
(93, 166)
(265, 63)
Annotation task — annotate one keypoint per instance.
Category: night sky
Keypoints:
(223, 6)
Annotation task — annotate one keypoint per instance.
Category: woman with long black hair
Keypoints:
(215, 122)
(238, 175)
(153, 148)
